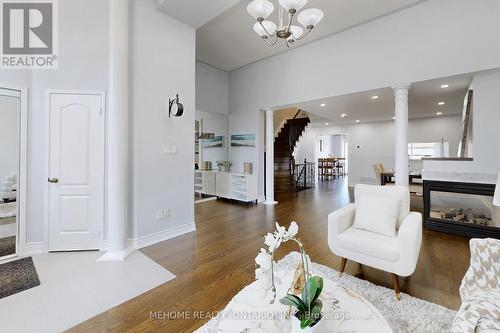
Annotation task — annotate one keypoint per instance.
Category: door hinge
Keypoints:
(100, 111)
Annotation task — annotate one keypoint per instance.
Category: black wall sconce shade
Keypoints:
(175, 108)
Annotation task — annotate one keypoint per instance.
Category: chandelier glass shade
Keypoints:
(284, 29)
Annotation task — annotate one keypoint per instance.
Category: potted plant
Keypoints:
(224, 166)
(308, 306)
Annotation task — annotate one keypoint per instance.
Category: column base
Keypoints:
(115, 256)
(270, 203)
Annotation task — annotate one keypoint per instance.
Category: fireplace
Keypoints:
(461, 208)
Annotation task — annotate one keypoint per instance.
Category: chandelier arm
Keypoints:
(290, 15)
(267, 32)
(271, 43)
(304, 34)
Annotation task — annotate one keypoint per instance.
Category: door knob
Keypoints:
(53, 180)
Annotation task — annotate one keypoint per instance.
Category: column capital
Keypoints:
(401, 89)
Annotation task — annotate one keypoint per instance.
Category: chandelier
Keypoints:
(285, 29)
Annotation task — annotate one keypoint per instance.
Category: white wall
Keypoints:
(162, 65)
(374, 142)
(434, 39)
(486, 120)
(83, 64)
(10, 110)
(218, 124)
(163, 53)
(212, 89)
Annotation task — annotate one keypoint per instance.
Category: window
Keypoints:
(417, 151)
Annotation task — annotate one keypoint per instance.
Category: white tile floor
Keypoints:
(74, 287)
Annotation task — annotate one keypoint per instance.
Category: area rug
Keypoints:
(7, 246)
(17, 276)
(408, 315)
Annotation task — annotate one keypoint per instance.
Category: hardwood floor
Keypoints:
(217, 261)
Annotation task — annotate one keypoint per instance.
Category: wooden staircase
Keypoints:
(284, 144)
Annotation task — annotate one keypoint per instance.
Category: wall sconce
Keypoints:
(175, 108)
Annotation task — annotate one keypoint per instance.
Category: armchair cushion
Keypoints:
(377, 214)
(370, 244)
(400, 192)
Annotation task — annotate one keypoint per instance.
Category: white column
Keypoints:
(401, 135)
(269, 158)
(117, 147)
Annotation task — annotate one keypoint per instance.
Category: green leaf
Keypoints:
(316, 310)
(305, 323)
(294, 301)
(309, 291)
(319, 282)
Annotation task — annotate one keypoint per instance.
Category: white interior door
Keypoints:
(76, 171)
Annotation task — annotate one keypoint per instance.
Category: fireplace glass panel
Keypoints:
(464, 208)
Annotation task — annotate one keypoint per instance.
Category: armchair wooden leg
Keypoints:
(342, 266)
(360, 274)
(395, 283)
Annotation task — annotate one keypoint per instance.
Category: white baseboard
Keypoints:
(32, 248)
(164, 235)
(134, 243)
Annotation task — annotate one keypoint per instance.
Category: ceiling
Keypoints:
(194, 13)
(423, 102)
(228, 41)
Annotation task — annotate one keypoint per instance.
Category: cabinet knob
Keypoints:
(53, 180)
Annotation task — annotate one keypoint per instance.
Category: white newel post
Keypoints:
(117, 147)
(401, 134)
(269, 158)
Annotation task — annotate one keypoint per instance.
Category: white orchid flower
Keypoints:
(270, 241)
(263, 259)
(293, 230)
(280, 231)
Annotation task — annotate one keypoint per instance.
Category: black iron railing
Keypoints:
(296, 129)
(305, 175)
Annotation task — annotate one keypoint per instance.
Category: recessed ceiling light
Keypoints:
(326, 124)
(441, 103)
(322, 105)
(375, 97)
(358, 121)
(343, 115)
(443, 86)
(439, 113)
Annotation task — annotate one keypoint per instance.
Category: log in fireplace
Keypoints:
(461, 208)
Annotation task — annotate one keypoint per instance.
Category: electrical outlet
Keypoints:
(163, 213)
(169, 150)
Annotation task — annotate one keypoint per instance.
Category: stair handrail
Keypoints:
(293, 136)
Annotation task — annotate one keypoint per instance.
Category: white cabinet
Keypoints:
(204, 182)
(236, 186)
(227, 185)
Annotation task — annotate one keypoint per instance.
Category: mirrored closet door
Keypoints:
(10, 116)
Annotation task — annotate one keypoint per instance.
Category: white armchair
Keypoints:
(396, 254)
